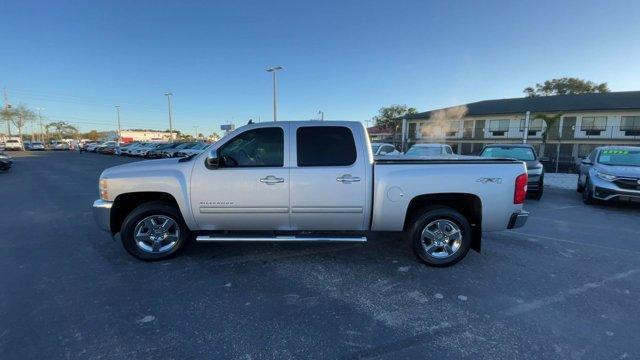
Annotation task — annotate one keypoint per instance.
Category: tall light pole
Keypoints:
(119, 130)
(169, 95)
(274, 70)
(40, 121)
(321, 113)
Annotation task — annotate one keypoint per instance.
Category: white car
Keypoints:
(432, 150)
(92, 146)
(194, 150)
(13, 144)
(380, 149)
(144, 149)
(36, 146)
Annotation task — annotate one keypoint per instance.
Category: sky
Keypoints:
(78, 59)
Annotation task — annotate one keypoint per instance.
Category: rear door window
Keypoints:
(325, 146)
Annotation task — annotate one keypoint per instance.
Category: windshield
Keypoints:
(375, 147)
(518, 153)
(12, 141)
(619, 157)
(425, 151)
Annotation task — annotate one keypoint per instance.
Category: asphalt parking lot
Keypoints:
(567, 285)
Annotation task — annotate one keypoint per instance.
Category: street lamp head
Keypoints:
(168, 94)
(275, 68)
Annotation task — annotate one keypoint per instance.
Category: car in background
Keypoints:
(429, 150)
(5, 162)
(522, 152)
(160, 150)
(36, 146)
(91, 147)
(128, 148)
(193, 150)
(143, 151)
(610, 173)
(13, 144)
(173, 152)
(59, 145)
(108, 147)
(380, 149)
(2, 148)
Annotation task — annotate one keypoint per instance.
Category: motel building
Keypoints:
(586, 121)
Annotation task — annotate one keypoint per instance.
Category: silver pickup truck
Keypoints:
(309, 181)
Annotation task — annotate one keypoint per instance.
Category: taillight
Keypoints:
(520, 192)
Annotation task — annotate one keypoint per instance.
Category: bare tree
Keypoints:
(22, 115)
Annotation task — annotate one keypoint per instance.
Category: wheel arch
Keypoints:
(123, 204)
(469, 205)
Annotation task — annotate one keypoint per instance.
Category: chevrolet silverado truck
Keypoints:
(309, 181)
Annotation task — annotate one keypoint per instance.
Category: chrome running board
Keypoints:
(208, 238)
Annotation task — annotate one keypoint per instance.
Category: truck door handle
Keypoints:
(270, 180)
(347, 179)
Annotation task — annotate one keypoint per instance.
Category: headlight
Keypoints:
(605, 177)
(103, 187)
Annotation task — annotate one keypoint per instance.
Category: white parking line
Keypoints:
(574, 242)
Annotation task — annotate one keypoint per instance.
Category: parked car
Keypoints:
(127, 149)
(380, 149)
(36, 146)
(159, 151)
(282, 179)
(13, 144)
(108, 147)
(91, 147)
(59, 145)
(522, 152)
(430, 150)
(193, 150)
(610, 173)
(2, 148)
(5, 162)
(143, 150)
(172, 152)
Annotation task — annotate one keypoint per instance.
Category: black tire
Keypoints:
(538, 194)
(587, 197)
(579, 188)
(154, 208)
(429, 215)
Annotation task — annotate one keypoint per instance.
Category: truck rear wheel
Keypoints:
(440, 236)
(154, 231)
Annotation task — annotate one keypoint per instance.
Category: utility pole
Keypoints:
(274, 70)
(119, 130)
(321, 113)
(196, 128)
(526, 127)
(40, 122)
(7, 107)
(169, 95)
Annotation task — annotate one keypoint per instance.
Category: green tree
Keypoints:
(565, 86)
(387, 117)
(21, 115)
(91, 135)
(550, 120)
(6, 114)
(62, 129)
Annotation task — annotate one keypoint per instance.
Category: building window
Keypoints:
(535, 126)
(630, 125)
(498, 127)
(593, 125)
(453, 128)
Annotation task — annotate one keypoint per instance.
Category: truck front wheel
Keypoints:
(154, 231)
(440, 236)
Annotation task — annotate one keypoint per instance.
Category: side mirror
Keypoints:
(586, 162)
(212, 161)
(545, 159)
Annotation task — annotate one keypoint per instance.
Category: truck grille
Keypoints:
(628, 183)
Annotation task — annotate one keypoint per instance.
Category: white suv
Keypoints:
(13, 144)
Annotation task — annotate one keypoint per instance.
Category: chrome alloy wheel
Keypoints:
(441, 238)
(156, 234)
